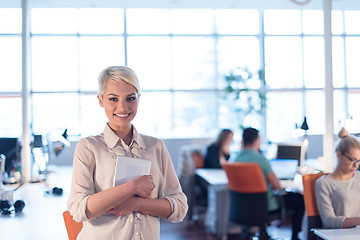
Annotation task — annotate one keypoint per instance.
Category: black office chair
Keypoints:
(248, 196)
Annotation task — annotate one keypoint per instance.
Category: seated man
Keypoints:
(251, 153)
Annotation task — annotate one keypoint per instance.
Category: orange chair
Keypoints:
(73, 228)
(311, 208)
(248, 195)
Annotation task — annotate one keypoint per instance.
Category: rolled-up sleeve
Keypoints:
(325, 206)
(82, 185)
(171, 189)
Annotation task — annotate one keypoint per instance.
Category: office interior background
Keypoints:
(181, 50)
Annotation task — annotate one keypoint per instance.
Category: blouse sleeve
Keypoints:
(324, 204)
(171, 189)
(82, 184)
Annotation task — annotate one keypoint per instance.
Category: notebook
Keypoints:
(128, 168)
(284, 169)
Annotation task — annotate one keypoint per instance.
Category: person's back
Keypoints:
(249, 155)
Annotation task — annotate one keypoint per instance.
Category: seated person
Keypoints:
(218, 151)
(251, 153)
(338, 194)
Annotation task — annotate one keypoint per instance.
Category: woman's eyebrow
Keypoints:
(131, 94)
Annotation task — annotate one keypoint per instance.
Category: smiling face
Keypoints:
(120, 101)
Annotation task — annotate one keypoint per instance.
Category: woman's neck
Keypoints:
(338, 174)
(125, 134)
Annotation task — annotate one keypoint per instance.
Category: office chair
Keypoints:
(311, 208)
(190, 158)
(73, 228)
(248, 195)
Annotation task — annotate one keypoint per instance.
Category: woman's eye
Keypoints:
(113, 99)
(130, 99)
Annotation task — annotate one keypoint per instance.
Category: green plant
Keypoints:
(247, 91)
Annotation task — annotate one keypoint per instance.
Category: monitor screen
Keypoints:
(290, 151)
(10, 147)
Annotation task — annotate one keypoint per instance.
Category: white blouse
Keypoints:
(94, 171)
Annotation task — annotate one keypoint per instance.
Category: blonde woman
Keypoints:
(130, 210)
(338, 194)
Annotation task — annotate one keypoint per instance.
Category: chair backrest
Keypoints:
(245, 177)
(311, 208)
(248, 194)
(309, 193)
(73, 228)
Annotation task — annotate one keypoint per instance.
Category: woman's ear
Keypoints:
(338, 154)
(100, 101)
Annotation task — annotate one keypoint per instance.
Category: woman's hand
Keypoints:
(125, 208)
(144, 185)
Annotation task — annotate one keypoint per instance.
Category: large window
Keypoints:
(10, 72)
(180, 64)
(181, 57)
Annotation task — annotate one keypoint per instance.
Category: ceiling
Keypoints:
(249, 4)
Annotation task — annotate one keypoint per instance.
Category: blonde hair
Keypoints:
(117, 73)
(346, 142)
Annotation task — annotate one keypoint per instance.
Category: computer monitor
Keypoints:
(291, 151)
(10, 147)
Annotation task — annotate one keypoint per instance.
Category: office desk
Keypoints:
(41, 218)
(338, 234)
(217, 213)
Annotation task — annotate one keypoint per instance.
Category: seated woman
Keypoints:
(218, 151)
(338, 194)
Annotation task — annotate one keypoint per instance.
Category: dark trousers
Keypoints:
(293, 203)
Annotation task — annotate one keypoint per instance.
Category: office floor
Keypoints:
(186, 231)
(42, 216)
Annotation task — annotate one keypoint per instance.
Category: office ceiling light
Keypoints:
(301, 2)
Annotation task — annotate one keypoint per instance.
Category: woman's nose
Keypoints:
(121, 105)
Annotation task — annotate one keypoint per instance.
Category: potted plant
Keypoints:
(247, 91)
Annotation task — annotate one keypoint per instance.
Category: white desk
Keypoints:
(217, 213)
(338, 234)
(41, 218)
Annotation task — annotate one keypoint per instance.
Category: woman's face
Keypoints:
(229, 139)
(349, 162)
(120, 101)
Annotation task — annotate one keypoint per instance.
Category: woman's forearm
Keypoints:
(154, 207)
(101, 202)
(351, 222)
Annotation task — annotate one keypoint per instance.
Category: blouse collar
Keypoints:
(111, 139)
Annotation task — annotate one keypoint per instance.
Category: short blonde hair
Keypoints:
(117, 73)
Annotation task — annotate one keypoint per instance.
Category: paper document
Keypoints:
(128, 168)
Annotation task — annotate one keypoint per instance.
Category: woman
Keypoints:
(130, 210)
(218, 152)
(338, 194)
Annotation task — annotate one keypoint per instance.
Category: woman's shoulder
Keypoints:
(324, 180)
(91, 140)
(151, 141)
